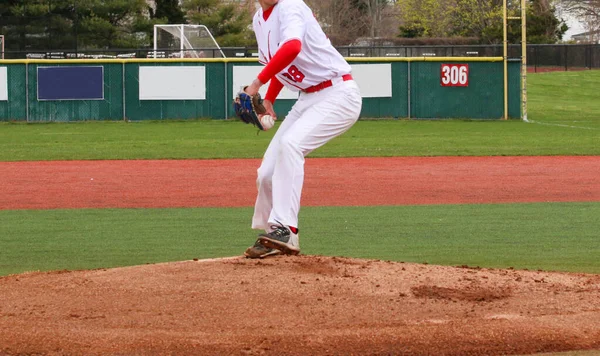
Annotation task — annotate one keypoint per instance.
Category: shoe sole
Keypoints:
(272, 253)
(278, 245)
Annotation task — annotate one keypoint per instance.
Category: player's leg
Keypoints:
(324, 116)
(264, 198)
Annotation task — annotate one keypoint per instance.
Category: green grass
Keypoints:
(565, 98)
(548, 236)
(564, 108)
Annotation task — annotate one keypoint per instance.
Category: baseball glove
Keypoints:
(248, 108)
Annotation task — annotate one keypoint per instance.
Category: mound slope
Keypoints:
(298, 305)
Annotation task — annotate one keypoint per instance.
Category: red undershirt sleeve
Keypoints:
(274, 88)
(284, 56)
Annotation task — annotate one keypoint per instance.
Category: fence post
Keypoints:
(27, 91)
(566, 58)
(124, 92)
(226, 87)
(409, 85)
(535, 64)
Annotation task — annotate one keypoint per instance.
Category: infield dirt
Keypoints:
(305, 304)
(298, 305)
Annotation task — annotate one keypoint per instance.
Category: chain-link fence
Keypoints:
(540, 58)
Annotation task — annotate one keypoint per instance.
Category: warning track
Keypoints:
(329, 182)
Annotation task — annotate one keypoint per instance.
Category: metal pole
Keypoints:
(75, 24)
(226, 92)
(27, 92)
(524, 55)
(505, 56)
(535, 55)
(589, 56)
(181, 42)
(124, 94)
(409, 84)
(50, 24)
(155, 41)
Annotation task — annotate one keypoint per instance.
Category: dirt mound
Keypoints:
(298, 305)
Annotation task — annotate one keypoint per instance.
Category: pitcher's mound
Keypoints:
(298, 305)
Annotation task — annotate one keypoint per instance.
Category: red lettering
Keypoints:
(294, 74)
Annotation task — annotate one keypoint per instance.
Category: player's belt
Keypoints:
(326, 84)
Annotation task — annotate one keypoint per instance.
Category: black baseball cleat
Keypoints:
(260, 251)
(282, 239)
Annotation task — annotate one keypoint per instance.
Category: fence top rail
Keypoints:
(250, 60)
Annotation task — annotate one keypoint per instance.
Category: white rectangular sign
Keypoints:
(3, 84)
(172, 83)
(374, 80)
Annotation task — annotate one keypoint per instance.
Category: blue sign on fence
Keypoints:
(71, 83)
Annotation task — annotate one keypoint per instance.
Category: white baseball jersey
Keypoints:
(317, 62)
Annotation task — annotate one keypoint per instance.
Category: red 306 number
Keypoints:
(455, 75)
(294, 74)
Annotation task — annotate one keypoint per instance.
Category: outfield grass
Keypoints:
(565, 98)
(548, 236)
(564, 108)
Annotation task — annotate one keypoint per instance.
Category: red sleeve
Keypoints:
(274, 88)
(284, 56)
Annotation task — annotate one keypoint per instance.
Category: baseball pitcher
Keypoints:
(298, 55)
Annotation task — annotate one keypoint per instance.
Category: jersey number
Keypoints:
(294, 74)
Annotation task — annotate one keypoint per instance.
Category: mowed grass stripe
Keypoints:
(548, 236)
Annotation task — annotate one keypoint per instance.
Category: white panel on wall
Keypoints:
(374, 80)
(3, 84)
(172, 83)
(244, 75)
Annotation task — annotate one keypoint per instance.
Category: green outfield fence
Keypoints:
(415, 90)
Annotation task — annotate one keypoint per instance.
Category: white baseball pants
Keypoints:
(314, 120)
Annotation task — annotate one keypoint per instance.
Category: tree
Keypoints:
(542, 24)
(373, 15)
(43, 25)
(169, 11)
(344, 21)
(229, 23)
(587, 11)
(339, 19)
(35, 24)
(479, 18)
(581, 7)
(426, 18)
(114, 23)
